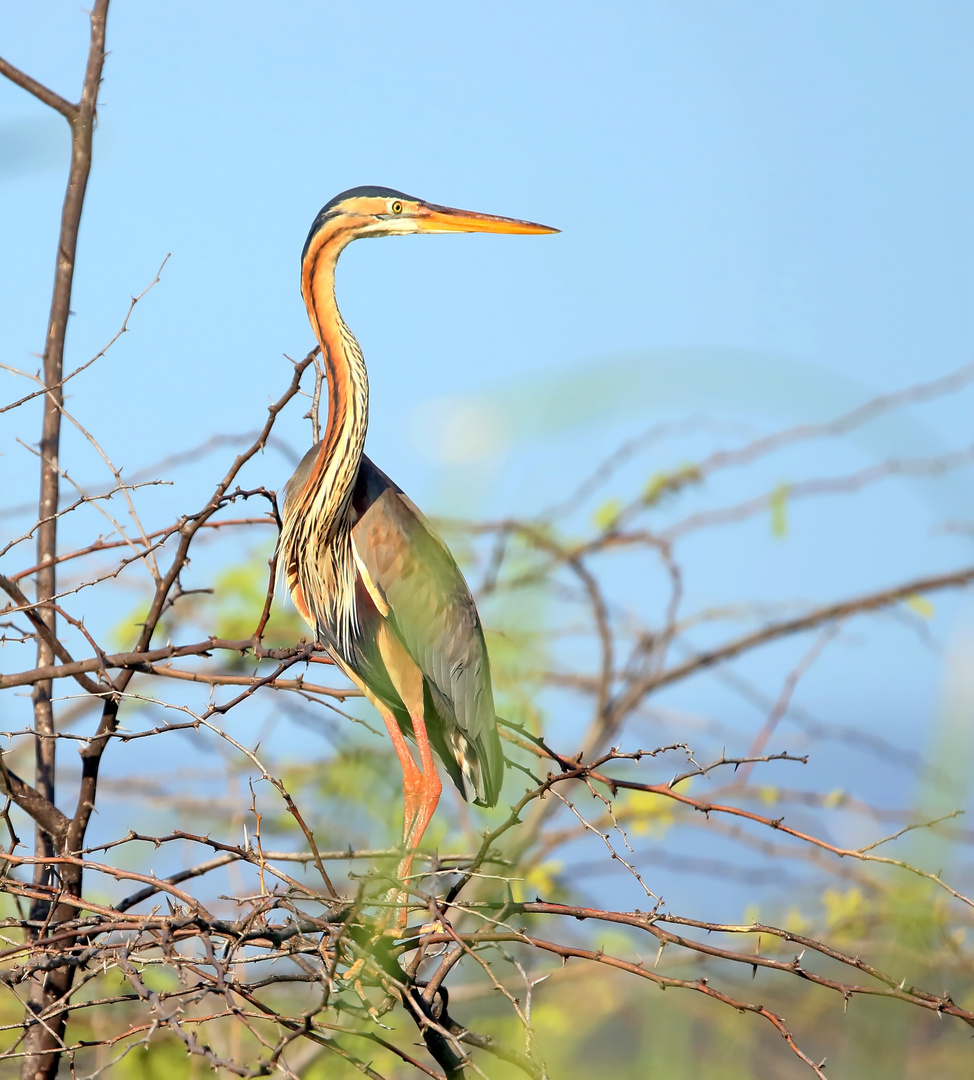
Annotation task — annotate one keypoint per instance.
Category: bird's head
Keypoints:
(379, 211)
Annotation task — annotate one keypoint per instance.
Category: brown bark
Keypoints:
(44, 1035)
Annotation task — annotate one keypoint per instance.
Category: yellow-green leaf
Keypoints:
(649, 812)
(542, 877)
(921, 605)
(664, 483)
(779, 510)
(843, 909)
(607, 515)
(796, 922)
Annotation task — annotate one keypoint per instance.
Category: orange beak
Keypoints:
(432, 218)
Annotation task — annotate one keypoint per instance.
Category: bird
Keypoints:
(365, 569)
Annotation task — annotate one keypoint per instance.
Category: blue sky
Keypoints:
(790, 181)
(766, 210)
(793, 179)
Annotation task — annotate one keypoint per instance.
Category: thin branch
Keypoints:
(39, 90)
(876, 601)
(142, 661)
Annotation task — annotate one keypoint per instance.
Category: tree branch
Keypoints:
(39, 90)
(43, 1040)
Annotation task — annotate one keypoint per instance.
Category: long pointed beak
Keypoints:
(433, 218)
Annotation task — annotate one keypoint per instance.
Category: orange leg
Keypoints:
(430, 784)
(412, 777)
(421, 785)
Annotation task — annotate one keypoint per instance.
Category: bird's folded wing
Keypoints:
(410, 572)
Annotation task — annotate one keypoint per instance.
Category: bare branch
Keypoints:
(39, 90)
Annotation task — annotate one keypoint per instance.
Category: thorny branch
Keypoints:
(43, 1039)
(342, 949)
(266, 967)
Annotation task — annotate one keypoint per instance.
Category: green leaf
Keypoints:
(606, 516)
(779, 510)
(921, 605)
(666, 483)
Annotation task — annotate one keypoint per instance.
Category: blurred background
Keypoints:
(767, 220)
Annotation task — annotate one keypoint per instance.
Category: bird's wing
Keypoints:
(417, 586)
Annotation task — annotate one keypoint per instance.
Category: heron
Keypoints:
(365, 569)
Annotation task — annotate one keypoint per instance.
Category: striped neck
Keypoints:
(340, 451)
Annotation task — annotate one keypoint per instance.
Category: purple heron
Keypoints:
(365, 569)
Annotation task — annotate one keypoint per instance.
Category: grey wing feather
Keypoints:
(434, 614)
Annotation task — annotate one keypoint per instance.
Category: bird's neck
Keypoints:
(341, 448)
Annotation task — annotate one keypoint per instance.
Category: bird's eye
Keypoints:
(396, 207)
